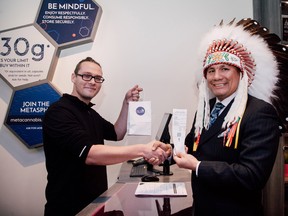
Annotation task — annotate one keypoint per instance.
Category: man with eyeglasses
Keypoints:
(73, 137)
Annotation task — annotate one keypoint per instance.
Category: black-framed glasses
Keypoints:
(88, 77)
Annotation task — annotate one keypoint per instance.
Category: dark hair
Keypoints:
(88, 59)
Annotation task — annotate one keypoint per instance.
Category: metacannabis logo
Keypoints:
(140, 111)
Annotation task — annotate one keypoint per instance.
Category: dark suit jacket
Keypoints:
(230, 181)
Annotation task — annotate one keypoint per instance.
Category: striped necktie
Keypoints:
(215, 112)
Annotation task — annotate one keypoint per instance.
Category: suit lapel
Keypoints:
(216, 129)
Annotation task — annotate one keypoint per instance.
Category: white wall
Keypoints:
(152, 43)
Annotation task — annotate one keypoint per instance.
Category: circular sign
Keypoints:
(140, 111)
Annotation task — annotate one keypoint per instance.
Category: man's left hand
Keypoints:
(133, 94)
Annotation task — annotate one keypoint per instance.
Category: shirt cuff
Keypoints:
(197, 166)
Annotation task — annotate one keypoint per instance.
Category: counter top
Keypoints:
(119, 199)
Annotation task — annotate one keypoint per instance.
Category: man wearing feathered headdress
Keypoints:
(233, 143)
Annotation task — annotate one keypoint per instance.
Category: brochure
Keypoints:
(161, 189)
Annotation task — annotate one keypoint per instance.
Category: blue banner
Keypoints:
(27, 110)
(67, 20)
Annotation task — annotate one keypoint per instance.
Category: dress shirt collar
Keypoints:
(227, 100)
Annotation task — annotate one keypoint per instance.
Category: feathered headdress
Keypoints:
(263, 61)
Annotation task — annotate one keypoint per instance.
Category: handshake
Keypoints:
(156, 152)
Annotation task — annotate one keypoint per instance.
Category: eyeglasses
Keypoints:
(88, 77)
